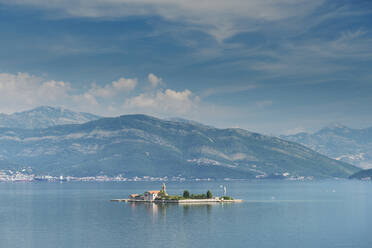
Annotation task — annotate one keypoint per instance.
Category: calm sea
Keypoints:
(274, 214)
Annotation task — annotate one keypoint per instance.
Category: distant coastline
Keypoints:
(20, 177)
(26, 175)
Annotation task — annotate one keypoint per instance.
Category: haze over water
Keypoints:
(274, 214)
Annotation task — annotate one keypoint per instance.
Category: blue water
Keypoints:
(274, 214)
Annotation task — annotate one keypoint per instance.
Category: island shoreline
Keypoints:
(186, 201)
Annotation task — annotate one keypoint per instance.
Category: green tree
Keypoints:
(162, 194)
(209, 194)
(186, 194)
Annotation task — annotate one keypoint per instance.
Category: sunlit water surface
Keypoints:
(274, 214)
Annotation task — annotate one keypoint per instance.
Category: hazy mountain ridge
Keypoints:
(43, 117)
(362, 175)
(144, 145)
(353, 146)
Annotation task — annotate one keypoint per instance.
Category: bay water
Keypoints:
(274, 213)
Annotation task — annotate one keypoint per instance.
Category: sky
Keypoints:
(274, 67)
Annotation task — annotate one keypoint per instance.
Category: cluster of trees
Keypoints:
(187, 195)
(208, 195)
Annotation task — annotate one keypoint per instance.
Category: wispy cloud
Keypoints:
(263, 104)
(227, 89)
(219, 18)
(314, 57)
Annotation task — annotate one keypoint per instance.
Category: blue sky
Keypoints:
(274, 67)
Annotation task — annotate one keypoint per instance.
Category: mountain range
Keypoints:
(44, 116)
(342, 143)
(140, 145)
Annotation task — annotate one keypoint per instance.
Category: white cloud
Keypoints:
(23, 91)
(154, 80)
(165, 102)
(171, 103)
(116, 87)
(220, 18)
(20, 91)
(85, 98)
(125, 84)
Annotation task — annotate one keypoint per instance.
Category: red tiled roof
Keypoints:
(154, 191)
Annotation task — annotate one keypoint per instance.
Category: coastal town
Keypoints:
(24, 176)
(27, 175)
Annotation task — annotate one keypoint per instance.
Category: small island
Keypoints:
(161, 196)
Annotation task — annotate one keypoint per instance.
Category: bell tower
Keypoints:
(164, 189)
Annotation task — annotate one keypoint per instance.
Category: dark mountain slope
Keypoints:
(143, 145)
(363, 174)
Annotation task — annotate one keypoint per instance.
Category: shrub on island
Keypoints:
(198, 196)
(186, 194)
(209, 194)
(225, 197)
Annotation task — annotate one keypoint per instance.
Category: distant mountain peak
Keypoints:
(336, 125)
(182, 120)
(334, 128)
(340, 142)
(46, 107)
(44, 116)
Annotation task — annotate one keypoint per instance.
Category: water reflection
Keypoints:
(202, 208)
(160, 209)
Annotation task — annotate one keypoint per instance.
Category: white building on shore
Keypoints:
(151, 195)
